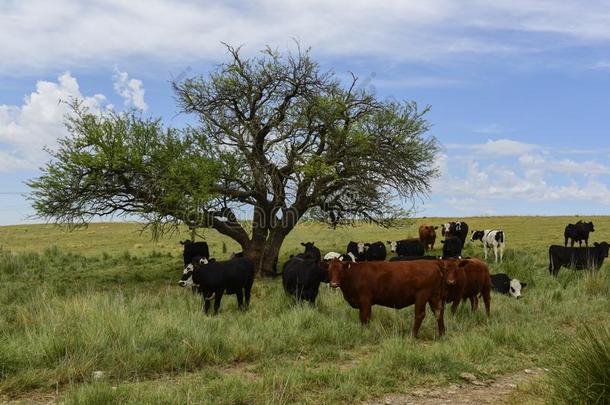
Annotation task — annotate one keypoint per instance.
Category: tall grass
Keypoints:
(65, 315)
(582, 374)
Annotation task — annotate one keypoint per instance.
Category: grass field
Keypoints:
(106, 299)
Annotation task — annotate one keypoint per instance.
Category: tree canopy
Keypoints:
(275, 137)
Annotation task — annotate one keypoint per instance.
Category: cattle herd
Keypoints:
(409, 277)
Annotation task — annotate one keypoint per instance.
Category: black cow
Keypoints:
(312, 251)
(375, 251)
(407, 247)
(503, 284)
(577, 258)
(452, 247)
(193, 250)
(577, 233)
(213, 279)
(458, 229)
(356, 249)
(302, 276)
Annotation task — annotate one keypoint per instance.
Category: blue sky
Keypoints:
(518, 89)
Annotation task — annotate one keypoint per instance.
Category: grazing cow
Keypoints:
(356, 251)
(452, 247)
(302, 276)
(213, 279)
(577, 258)
(458, 229)
(503, 284)
(312, 251)
(375, 251)
(491, 238)
(194, 249)
(427, 236)
(392, 284)
(471, 280)
(577, 233)
(407, 247)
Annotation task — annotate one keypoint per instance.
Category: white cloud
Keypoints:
(25, 130)
(500, 147)
(543, 163)
(36, 34)
(130, 89)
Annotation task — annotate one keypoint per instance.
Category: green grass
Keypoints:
(106, 298)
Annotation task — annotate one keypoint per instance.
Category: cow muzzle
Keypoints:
(450, 282)
(334, 285)
(182, 283)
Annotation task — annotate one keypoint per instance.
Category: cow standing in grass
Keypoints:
(577, 233)
(194, 250)
(579, 258)
(213, 279)
(491, 238)
(471, 280)
(407, 247)
(427, 236)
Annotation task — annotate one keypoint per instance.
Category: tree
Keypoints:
(276, 138)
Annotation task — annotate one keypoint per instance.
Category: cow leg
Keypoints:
(240, 298)
(454, 306)
(247, 291)
(365, 312)
(420, 314)
(437, 307)
(206, 306)
(485, 250)
(217, 300)
(587, 242)
(501, 252)
(486, 293)
(496, 252)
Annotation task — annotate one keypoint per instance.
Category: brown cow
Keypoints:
(471, 279)
(395, 285)
(427, 236)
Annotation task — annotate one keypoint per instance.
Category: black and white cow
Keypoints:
(193, 250)
(577, 258)
(213, 279)
(343, 257)
(356, 250)
(577, 233)
(458, 229)
(491, 238)
(407, 247)
(312, 251)
(302, 276)
(375, 251)
(452, 247)
(503, 284)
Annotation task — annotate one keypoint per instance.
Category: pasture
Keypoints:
(106, 298)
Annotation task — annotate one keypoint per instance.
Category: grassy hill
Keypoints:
(105, 298)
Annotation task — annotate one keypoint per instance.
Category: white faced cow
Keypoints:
(491, 238)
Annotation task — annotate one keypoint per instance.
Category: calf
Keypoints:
(302, 276)
(452, 247)
(427, 236)
(213, 279)
(491, 238)
(392, 284)
(407, 247)
(375, 251)
(312, 251)
(503, 284)
(356, 250)
(457, 229)
(193, 250)
(578, 232)
(471, 280)
(577, 258)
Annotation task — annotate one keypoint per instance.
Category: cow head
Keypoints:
(393, 245)
(445, 228)
(186, 242)
(477, 235)
(515, 288)
(190, 269)
(457, 226)
(589, 226)
(361, 246)
(604, 247)
(453, 268)
(336, 269)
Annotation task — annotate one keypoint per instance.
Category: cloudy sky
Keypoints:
(519, 89)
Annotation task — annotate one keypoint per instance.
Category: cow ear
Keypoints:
(302, 244)
(463, 263)
(312, 243)
(436, 227)
(523, 285)
(442, 241)
(595, 244)
(389, 242)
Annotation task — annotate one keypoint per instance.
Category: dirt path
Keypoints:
(471, 391)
